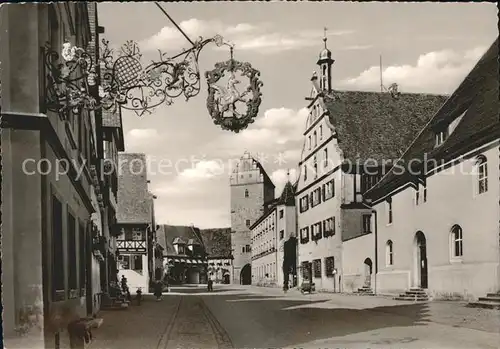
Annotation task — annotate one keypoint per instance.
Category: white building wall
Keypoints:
(355, 271)
(136, 279)
(451, 199)
(288, 225)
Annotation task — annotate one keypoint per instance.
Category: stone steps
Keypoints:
(364, 291)
(413, 294)
(491, 301)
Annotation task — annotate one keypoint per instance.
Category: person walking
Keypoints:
(158, 290)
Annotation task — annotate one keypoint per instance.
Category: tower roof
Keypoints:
(325, 54)
(287, 195)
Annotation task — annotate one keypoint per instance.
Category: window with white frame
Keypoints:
(441, 137)
(367, 220)
(320, 132)
(389, 253)
(315, 167)
(304, 203)
(482, 174)
(389, 211)
(457, 242)
(325, 162)
(329, 190)
(315, 135)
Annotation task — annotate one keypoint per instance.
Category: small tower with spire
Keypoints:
(325, 63)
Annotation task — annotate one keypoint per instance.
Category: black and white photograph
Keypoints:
(250, 174)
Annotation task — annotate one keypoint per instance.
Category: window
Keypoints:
(389, 253)
(125, 260)
(248, 248)
(282, 234)
(310, 143)
(304, 203)
(440, 138)
(316, 197)
(306, 270)
(72, 257)
(248, 222)
(329, 190)
(329, 227)
(304, 235)
(315, 167)
(317, 268)
(246, 193)
(367, 223)
(82, 258)
(320, 132)
(305, 172)
(424, 193)
(57, 251)
(329, 266)
(482, 174)
(137, 262)
(389, 211)
(325, 163)
(282, 212)
(417, 196)
(315, 135)
(457, 241)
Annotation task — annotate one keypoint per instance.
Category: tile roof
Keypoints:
(167, 235)
(287, 197)
(217, 242)
(134, 201)
(478, 97)
(376, 125)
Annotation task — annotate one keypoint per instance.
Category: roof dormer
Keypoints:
(443, 131)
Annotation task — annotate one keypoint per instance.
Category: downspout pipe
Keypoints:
(367, 204)
(376, 250)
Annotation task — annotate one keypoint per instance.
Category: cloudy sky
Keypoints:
(426, 47)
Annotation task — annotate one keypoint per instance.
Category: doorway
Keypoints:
(368, 267)
(421, 260)
(246, 275)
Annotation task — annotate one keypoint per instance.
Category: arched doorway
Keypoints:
(246, 275)
(421, 260)
(368, 272)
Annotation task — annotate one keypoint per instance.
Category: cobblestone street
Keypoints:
(237, 317)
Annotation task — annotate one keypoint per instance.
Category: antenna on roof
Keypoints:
(381, 80)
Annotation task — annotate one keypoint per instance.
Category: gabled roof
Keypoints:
(377, 125)
(248, 156)
(478, 97)
(287, 197)
(134, 200)
(168, 235)
(217, 242)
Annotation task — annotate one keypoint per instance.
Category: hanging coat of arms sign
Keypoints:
(231, 108)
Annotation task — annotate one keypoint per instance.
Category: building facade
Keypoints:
(340, 161)
(251, 189)
(270, 232)
(438, 220)
(134, 220)
(264, 247)
(184, 255)
(217, 242)
(49, 191)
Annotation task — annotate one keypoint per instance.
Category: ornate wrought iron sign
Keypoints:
(75, 81)
(222, 101)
